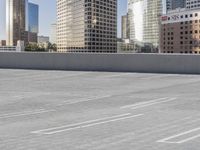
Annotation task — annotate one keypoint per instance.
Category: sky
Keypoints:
(47, 16)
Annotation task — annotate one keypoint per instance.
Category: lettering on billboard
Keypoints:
(175, 17)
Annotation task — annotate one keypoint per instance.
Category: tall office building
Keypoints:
(33, 15)
(15, 21)
(33, 23)
(174, 4)
(87, 26)
(192, 4)
(124, 30)
(21, 21)
(144, 21)
(53, 33)
(180, 32)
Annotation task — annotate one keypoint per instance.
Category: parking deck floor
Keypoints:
(66, 110)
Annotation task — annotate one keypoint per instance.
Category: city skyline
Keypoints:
(44, 26)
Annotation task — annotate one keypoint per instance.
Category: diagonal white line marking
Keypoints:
(98, 123)
(143, 103)
(27, 113)
(81, 123)
(150, 104)
(189, 139)
(82, 100)
(166, 140)
(93, 124)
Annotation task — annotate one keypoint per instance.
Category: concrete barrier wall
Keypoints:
(148, 63)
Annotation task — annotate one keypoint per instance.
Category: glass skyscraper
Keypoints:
(33, 15)
(33, 26)
(87, 26)
(144, 17)
(16, 21)
(21, 21)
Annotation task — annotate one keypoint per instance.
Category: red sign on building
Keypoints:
(164, 18)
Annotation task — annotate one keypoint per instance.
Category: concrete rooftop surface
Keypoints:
(66, 110)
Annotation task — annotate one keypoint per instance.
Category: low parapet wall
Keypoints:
(147, 63)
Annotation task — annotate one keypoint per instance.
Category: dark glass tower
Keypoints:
(16, 21)
(174, 4)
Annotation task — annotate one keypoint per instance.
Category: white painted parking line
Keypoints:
(77, 124)
(113, 120)
(82, 100)
(86, 124)
(26, 113)
(149, 103)
(159, 102)
(87, 99)
(143, 103)
(176, 139)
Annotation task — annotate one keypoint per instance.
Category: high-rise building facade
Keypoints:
(192, 4)
(21, 21)
(53, 34)
(174, 4)
(87, 26)
(33, 22)
(33, 18)
(180, 32)
(144, 20)
(124, 30)
(16, 21)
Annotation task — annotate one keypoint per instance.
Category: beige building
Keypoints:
(180, 32)
(192, 4)
(52, 38)
(87, 26)
(124, 27)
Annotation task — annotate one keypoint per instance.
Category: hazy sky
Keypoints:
(48, 15)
